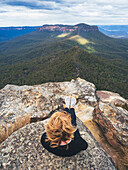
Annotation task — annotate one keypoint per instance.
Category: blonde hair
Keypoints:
(59, 128)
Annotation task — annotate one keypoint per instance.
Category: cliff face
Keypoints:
(21, 105)
(68, 28)
(112, 116)
(17, 28)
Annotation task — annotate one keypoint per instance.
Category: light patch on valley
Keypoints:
(63, 35)
(90, 49)
(79, 39)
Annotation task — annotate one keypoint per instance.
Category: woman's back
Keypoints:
(59, 129)
(75, 146)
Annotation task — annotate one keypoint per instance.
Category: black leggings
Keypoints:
(73, 115)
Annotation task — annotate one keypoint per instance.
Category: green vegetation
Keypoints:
(40, 57)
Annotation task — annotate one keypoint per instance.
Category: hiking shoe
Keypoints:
(73, 102)
(67, 101)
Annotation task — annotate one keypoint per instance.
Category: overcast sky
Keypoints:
(39, 12)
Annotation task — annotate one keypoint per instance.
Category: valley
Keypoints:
(60, 53)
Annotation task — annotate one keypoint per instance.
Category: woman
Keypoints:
(62, 138)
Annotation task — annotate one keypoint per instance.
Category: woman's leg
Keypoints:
(73, 116)
(70, 103)
(67, 103)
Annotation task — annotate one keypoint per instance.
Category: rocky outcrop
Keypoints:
(23, 150)
(20, 104)
(103, 110)
(114, 123)
(101, 139)
(110, 97)
(68, 28)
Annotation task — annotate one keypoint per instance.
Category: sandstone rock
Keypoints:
(23, 150)
(120, 158)
(10, 124)
(84, 111)
(19, 104)
(114, 123)
(110, 97)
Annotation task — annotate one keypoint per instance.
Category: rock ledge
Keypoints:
(23, 150)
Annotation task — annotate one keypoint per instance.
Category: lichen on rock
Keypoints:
(23, 150)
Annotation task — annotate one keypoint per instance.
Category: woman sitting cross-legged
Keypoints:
(62, 138)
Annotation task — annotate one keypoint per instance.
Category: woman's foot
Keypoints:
(73, 102)
(67, 101)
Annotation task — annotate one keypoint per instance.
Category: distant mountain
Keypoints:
(68, 28)
(63, 52)
(115, 31)
(8, 33)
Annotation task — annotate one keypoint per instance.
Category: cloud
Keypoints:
(35, 4)
(1, 11)
(39, 12)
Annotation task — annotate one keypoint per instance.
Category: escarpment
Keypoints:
(20, 141)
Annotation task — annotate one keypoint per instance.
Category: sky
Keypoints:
(40, 12)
